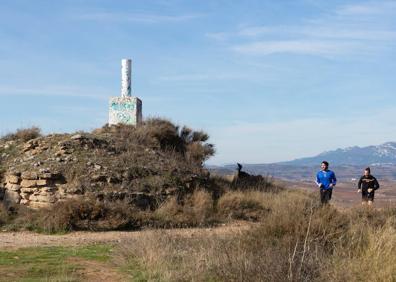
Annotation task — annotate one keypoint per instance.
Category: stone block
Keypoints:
(13, 187)
(28, 190)
(42, 182)
(29, 175)
(125, 110)
(28, 183)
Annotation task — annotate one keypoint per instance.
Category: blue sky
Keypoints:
(268, 80)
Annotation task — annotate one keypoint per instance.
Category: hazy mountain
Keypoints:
(381, 154)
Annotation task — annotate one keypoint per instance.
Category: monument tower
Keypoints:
(125, 109)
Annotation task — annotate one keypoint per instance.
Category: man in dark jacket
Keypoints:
(326, 181)
(367, 185)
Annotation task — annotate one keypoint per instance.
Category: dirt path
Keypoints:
(15, 240)
(96, 271)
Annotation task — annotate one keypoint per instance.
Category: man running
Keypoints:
(326, 181)
(367, 185)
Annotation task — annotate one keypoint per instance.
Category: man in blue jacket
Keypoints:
(326, 181)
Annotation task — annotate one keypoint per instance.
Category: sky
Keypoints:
(268, 80)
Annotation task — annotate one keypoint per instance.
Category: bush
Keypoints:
(23, 135)
(195, 210)
(83, 214)
(162, 134)
(249, 205)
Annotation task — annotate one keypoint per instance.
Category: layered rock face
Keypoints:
(35, 189)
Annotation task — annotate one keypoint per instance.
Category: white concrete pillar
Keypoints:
(126, 80)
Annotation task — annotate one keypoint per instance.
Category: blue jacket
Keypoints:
(325, 178)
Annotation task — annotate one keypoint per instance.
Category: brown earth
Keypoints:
(16, 240)
(96, 271)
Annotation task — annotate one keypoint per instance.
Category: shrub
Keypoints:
(78, 214)
(249, 205)
(24, 134)
(162, 134)
(196, 210)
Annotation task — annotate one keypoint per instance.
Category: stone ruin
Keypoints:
(38, 187)
(36, 190)
(46, 170)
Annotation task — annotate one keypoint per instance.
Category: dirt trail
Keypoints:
(15, 240)
(96, 271)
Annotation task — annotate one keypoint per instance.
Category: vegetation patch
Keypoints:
(48, 263)
(296, 240)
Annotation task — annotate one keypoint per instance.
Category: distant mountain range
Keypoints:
(348, 164)
(380, 154)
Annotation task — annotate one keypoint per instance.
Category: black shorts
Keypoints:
(366, 196)
(325, 195)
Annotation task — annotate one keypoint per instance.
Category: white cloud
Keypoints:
(347, 30)
(368, 9)
(305, 47)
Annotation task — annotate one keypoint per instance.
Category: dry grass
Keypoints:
(296, 240)
(249, 205)
(84, 214)
(368, 256)
(195, 210)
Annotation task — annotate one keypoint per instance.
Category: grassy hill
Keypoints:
(290, 236)
(115, 177)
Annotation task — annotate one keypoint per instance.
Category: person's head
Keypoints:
(367, 171)
(324, 165)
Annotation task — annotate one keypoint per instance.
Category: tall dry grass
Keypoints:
(295, 240)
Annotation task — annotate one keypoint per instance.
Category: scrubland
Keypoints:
(286, 236)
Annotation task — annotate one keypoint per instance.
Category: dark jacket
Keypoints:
(367, 182)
